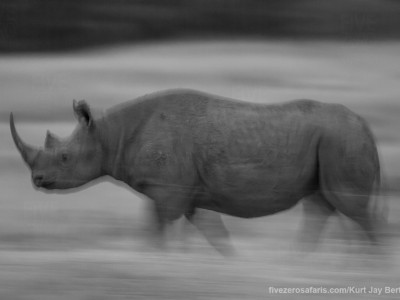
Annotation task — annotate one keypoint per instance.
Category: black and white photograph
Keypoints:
(199, 149)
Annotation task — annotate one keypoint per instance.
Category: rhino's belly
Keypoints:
(249, 207)
(258, 192)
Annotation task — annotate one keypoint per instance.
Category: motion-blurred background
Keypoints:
(58, 25)
(93, 244)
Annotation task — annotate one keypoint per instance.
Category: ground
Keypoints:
(93, 245)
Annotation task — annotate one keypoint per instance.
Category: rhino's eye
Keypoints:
(64, 157)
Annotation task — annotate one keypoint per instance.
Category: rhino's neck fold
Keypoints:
(117, 166)
(113, 142)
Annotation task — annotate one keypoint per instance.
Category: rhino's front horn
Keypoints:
(28, 152)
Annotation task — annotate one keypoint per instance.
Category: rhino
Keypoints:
(188, 150)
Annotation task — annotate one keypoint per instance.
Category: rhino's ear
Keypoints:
(82, 112)
(51, 141)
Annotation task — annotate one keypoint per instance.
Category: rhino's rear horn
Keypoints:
(51, 140)
(28, 152)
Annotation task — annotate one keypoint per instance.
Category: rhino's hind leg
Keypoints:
(317, 211)
(357, 209)
(349, 171)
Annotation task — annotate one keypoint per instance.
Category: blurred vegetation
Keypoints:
(29, 25)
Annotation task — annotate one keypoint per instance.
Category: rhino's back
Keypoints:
(242, 129)
(194, 107)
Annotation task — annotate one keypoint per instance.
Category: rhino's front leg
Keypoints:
(169, 204)
(210, 224)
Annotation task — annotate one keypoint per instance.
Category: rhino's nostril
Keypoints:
(37, 179)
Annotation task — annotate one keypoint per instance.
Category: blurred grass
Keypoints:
(39, 90)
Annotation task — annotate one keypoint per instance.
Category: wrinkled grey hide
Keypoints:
(186, 149)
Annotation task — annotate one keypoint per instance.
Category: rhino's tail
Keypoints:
(379, 208)
(378, 205)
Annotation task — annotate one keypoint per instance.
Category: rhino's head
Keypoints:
(64, 163)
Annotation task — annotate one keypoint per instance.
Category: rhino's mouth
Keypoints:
(46, 185)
